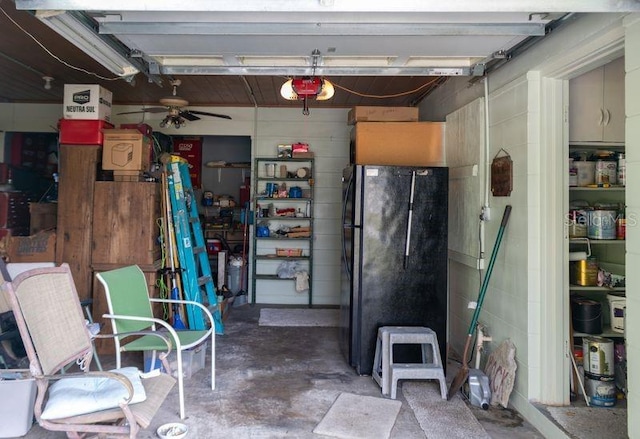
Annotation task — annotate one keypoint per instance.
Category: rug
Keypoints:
(440, 418)
(299, 317)
(359, 417)
(592, 422)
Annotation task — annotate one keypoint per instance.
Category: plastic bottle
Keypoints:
(622, 170)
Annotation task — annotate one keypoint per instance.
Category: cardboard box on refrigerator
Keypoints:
(125, 150)
(398, 143)
(87, 101)
(382, 114)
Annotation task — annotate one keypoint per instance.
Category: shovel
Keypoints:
(463, 373)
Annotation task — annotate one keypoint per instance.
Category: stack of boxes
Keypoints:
(393, 136)
(87, 121)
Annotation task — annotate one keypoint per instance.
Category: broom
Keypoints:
(463, 373)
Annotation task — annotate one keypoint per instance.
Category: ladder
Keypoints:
(192, 254)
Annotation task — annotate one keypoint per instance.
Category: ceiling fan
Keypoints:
(174, 105)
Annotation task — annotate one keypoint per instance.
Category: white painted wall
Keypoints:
(325, 130)
(632, 132)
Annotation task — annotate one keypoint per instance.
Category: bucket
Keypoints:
(598, 356)
(601, 390)
(602, 224)
(587, 317)
(617, 306)
(213, 246)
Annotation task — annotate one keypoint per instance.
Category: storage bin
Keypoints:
(18, 390)
(617, 307)
(192, 360)
(82, 132)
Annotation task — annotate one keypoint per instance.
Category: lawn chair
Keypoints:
(50, 320)
(130, 311)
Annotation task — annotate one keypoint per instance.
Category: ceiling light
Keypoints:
(307, 87)
(82, 35)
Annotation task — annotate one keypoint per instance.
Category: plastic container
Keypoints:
(192, 360)
(479, 390)
(586, 172)
(18, 390)
(617, 306)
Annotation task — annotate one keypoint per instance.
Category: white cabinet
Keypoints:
(596, 113)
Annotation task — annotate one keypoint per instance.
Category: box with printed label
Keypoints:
(87, 101)
(125, 150)
(382, 114)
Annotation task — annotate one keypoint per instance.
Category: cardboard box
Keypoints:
(82, 132)
(18, 390)
(382, 114)
(302, 154)
(398, 143)
(125, 150)
(87, 101)
(40, 247)
(44, 216)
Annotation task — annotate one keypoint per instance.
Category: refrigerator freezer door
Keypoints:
(388, 292)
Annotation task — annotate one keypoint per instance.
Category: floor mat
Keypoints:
(592, 422)
(359, 417)
(440, 418)
(299, 317)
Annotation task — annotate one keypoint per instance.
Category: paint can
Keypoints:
(601, 224)
(601, 390)
(606, 172)
(586, 172)
(587, 318)
(585, 272)
(617, 306)
(598, 356)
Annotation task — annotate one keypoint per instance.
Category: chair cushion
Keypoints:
(77, 396)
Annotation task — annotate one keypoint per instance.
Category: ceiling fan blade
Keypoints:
(204, 113)
(147, 110)
(188, 115)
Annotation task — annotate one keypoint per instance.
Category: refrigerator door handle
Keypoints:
(408, 239)
(346, 226)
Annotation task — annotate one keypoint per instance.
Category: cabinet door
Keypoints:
(613, 103)
(586, 108)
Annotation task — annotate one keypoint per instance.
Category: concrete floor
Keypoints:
(279, 382)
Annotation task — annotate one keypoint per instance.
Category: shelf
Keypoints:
(606, 332)
(283, 238)
(285, 218)
(303, 180)
(597, 189)
(578, 288)
(275, 258)
(596, 241)
(277, 200)
(272, 277)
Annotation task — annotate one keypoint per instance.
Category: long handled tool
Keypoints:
(463, 373)
(175, 293)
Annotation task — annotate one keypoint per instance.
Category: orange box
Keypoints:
(382, 114)
(398, 143)
(125, 150)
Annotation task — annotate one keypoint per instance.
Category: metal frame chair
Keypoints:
(50, 320)
(130, 311)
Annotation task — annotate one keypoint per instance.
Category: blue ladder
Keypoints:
(191, 246)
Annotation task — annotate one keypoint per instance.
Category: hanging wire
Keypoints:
(71, 66)
(396, 95)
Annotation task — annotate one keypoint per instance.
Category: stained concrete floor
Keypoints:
(279, 382)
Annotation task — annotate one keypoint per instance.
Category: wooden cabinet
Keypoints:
(596, 113)
(125, 232)
(78, 165)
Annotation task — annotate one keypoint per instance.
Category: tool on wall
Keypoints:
(408, 240)
(463, 372)
(191, 246)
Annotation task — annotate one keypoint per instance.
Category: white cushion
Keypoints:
(77, 396)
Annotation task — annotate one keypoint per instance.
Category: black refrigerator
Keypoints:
(394, 245)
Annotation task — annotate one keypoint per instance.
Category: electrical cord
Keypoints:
(54, 56)
(395, 95)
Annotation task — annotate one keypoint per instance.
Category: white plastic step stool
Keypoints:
(387, 373)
